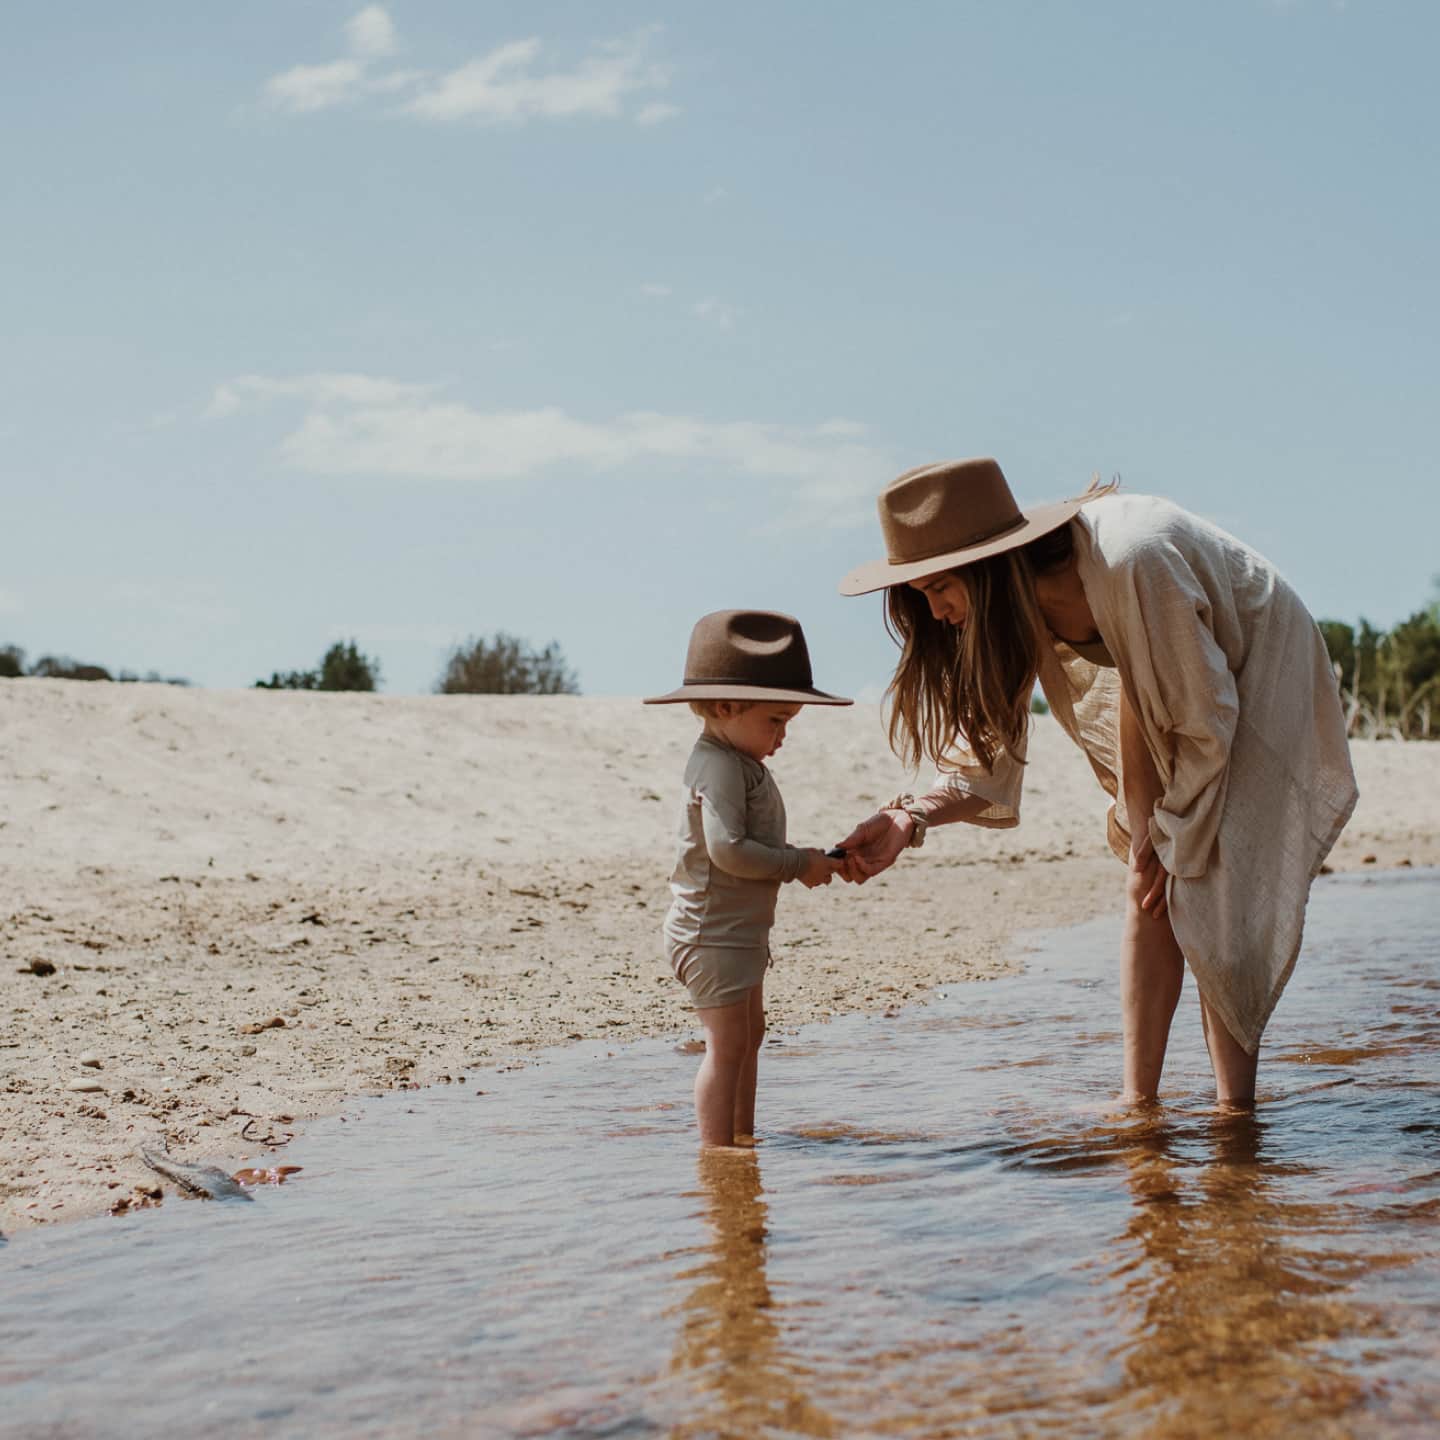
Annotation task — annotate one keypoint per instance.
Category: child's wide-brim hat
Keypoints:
(939, 517)
(748, 655)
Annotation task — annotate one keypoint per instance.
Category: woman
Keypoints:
(1194, 680)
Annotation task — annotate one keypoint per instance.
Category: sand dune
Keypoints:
(425, 887)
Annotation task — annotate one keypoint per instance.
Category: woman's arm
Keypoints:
(1184, 696)
(1143, 791)
(875, 844)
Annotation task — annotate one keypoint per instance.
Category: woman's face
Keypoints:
(949, 601)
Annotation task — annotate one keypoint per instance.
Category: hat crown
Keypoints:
(938, 509)
(762, 648)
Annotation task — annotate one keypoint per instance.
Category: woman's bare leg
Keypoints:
(1152, 969)
(749, 1071)
(1233, 1065)
(727, 1043)
(1152, 972)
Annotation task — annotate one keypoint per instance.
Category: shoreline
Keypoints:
(419, 888)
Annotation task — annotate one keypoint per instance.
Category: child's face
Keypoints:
(757, 729)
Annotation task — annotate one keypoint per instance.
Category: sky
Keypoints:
(411, 322)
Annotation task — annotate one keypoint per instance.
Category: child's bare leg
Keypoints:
(745, 1090)
(727, 1042)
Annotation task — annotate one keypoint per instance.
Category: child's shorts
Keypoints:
(714, 976)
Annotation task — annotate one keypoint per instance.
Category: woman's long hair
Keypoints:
(973, 681)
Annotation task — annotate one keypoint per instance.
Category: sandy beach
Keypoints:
(226, 912)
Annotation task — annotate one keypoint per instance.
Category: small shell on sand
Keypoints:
(83, 1085)
(91, 1059)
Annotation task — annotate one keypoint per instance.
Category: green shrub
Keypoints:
(62, 667)
(342, 667)
(506, 665)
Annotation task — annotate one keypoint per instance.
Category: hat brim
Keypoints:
(737, 691)
(1040, 520)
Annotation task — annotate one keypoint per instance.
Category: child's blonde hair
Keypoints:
(708, 709)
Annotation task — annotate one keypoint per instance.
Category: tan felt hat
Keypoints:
(748, 655)
(942, 516)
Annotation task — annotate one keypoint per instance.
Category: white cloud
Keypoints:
(307, 88)
(716, 312)
(371, 33)
(656, 112)
(395, 80)
(321, 388)
(369, 37)
(506, 87)
(369, 425)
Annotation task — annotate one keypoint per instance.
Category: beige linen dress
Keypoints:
(1241, 714)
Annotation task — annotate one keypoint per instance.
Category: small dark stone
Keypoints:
(42, 967)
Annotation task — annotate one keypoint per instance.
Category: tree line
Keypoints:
(62, 667)
(500, 664)
(1389, 679)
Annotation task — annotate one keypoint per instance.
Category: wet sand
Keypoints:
(256, 904)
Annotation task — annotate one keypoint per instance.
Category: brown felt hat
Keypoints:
(748, 655)
(939, 517)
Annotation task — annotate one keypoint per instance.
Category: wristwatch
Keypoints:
(912, 808)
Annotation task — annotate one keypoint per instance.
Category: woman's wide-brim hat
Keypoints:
(939, 517)
(748, 655)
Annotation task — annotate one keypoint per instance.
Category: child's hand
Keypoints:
(818, 869)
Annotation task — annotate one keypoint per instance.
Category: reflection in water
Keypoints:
(1225, 1301)
(729, 1339)
(951, 1240)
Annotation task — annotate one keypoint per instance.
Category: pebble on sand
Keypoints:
(258, 1027)
(83, 1085)
(90, 1059)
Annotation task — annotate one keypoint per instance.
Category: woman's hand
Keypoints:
(1145, 863)
(874, 844)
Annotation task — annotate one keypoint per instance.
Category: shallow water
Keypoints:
(942, 1233)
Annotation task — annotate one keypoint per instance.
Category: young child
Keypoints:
(747, 673)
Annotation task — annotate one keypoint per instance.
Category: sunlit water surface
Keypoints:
(942, 1233)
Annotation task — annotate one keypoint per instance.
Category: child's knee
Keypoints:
(729, 1048)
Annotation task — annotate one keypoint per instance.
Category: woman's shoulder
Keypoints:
(1122, 526)
(1126, 531)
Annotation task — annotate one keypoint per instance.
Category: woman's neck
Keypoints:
(1061, 598)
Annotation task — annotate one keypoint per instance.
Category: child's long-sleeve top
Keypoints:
(733, 856)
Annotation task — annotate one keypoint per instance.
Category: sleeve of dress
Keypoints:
(1185, 695)
(962, 777)
(721, 791)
